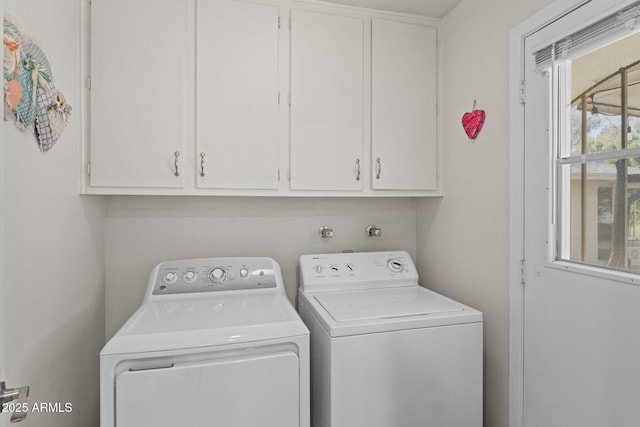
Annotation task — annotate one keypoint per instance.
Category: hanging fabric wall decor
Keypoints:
(30, 97)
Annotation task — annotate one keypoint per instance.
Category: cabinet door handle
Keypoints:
(378, 168)
(176, 155)
(202, 164)
(357, 169)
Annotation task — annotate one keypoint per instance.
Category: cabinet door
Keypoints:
(237, 95)
(326, 101)
(137, 93)
(404, 148)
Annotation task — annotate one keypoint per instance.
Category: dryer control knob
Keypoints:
(170, 278)
(244, 273)
(395, 265)
(190, 276)
(217, 275)
(318, 268)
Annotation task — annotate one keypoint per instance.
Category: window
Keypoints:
(595, 105)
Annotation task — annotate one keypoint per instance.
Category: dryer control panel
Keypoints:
(214, 275)
(359, 270)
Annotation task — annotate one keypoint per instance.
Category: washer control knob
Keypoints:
(217, 275)
(244, 273)
(318, 268)
(395, 265)
(190, 276)
(170, 278)
(335, 268)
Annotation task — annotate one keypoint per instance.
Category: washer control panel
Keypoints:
(358, 270)
(214, 275)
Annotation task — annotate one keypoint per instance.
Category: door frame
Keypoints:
(517, 102)
(517, 264)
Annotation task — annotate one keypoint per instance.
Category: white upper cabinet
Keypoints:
(137, 102)
(237, 95)
(403, 106)
(260, 98)
(327, 101)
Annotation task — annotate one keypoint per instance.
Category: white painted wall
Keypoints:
(462, 241)
(56, 255)
(140, 232)
(54, 275)
(3, 421)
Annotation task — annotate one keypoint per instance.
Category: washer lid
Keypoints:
(188, 322)
(343, 313)
(384, 304)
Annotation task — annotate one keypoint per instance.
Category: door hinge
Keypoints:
(278, 174)
(89, 82)
(278, 98)
(88, 168)
(289, 177)
(289, 99)
(278, 22)
(522, 92)
(289, 23)
(522, 264)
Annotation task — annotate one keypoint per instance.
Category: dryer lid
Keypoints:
(390, 303)
(211, 320)
(211, 312)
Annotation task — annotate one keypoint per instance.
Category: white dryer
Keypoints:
(214, 343)
(386, 352)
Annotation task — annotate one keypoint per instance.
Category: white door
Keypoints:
(403, 98)
(327, 111)
(261, 390)
(237, 96)
(137, 93)
(580, 324)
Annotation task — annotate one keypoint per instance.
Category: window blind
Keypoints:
(624, 22)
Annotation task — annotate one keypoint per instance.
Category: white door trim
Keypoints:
(517, 93)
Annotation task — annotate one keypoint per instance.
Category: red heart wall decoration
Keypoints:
(472, 122)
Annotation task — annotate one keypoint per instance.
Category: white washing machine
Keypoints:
(215, 343)
(386, 352)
